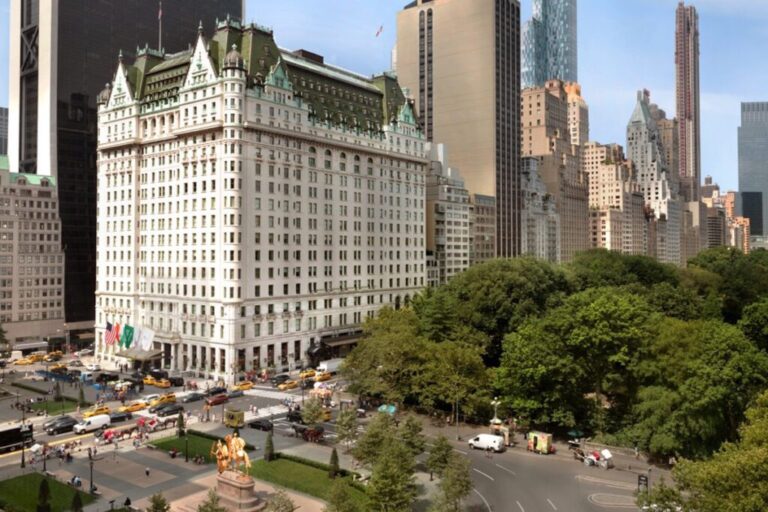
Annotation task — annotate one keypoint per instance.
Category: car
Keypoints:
(56, 419)
(138, 375)
(84, 352)
(158, 374)
(150, 397)
(176, 381)
(93, 367)
(289, 384)
(193, 396)
(3, 362)
(58, 368)
(244, 386)
(279, 379)
(122, 385)
(119, 416)
(236, 393)
(153, 409)
(138, 405)
(169, 398)
(65, 424)
(23, 362)
(149, 380)
(487, 442)
(307, 374)
(323, 376)
(36, 358)
(262, 424)
(307, 383)
(52, 358)
(163, 383)
(96, 410)
(218, 390)
(75, 363)
(217, 399)
(170, 410)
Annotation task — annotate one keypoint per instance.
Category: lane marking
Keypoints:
(521, 507)
(486, 475)
(506, 469)
(460, 451)
(615, 484)
(551, 504)
(484, 500)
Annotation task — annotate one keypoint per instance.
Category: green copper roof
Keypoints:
(33, 179)
(4, 163)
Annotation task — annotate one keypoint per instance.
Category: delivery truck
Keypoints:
(330, 366)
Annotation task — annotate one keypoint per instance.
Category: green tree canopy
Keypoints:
(380, 431)
(158, 503)
(340, 499)
(754, 323)
(455, 485)
(598, 268)
(392, 487)
(212, 503)
(439, 455)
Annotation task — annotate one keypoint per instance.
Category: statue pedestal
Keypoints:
(236, 492)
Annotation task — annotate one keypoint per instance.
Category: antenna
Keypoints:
(160, 28)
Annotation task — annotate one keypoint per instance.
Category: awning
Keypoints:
(341, 341)
(30, 345)
(140, 355)
(315, 350)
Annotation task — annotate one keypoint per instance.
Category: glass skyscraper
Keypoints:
(753, 165)
(549, 43)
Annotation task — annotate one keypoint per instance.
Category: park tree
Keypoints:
(392, 487)
(158, 503)
(754, 323)
(439, 456)
(599, 268)
(269, 448)
(312, 412)
(380, 432)
(676, 301)
(410, 433)
(341, 499)
(44, 496)
(346, 426)
(212, 503)
(77, 502)
(455, 485)
(333, 464)
(280, 502)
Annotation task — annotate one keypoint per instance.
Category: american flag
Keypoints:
(110, 337)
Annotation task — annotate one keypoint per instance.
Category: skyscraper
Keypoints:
(550, 40)
(753, 166)
(460, 61)
(62, 54)
(687, 95)
(3, 131)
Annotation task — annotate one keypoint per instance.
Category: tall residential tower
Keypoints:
(550, 43)
(753, 167)
(687, 96)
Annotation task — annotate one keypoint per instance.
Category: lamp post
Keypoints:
(92, 487)
(186, 445)
(23, 441)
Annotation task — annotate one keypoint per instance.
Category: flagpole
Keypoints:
(160, 31)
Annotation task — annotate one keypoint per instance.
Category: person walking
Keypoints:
(146, 471)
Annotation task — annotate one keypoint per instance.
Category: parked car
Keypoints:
(100, 421)
(217, 399)
(93, 367)
(170, 410)
(486, 441)
(193, 396)
(84, 352)
(96, 411)
(117, 417)
(261, 424)
(75, 363)
(216, 391)
(65, 424)
(235, 393)
(279, 379)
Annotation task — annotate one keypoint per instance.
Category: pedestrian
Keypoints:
(146, 471)
(127, 503)
(637, 452)
(489, 452)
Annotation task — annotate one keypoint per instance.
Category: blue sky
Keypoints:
(624, 45)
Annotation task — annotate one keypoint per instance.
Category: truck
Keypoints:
(330, 366)
(14, 437)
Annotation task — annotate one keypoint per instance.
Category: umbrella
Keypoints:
(575, 433)
(388, 409)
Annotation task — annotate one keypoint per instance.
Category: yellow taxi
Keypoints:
(307, 374)
(34, 358)
(163, 383)
(322, 376)
(58, 368)
(96, 410)
(53, 356)
(138, 405)
(243, 386)
(289, 384)
(326, 414)
(170, 398)
(23, 362)
(149, 380)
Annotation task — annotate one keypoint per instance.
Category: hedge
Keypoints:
(325, 467)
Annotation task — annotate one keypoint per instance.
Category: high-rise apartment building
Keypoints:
(254, 207)
(460, 61)
(447, 220)
(482, 218)
(3, 131)
(670, 145)
(541, 222)
(31, 257)
(546, 135)
(61, 55)
(550, 49)
(687, 96)
(616, 204)
(753, 166)
(645, 151)
(578, 115)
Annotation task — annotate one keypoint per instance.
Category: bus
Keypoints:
(13, 437)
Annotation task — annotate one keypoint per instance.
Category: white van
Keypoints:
(485, 441)
(97, 422)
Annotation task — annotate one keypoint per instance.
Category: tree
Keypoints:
(43, 496)
(379, 432)
(81, 398)
(269, 448)
(211, 503)
(675, 301)
(158, 503)
(180, 430)
(340, 498)
(346, 426)
(392, 487)
(456, 484)
(280, 502)
(439, 456)
(411, 436)
(77, 503)
(312, 412)
(754, 323)
(333, 465)
(600, 268)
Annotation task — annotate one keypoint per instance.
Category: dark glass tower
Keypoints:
(60, 59)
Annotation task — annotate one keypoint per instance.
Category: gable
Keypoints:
(121, 91)
(201, 69)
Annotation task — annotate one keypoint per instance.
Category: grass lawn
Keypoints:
(20, 493)
(198, 445)
(54, 408)
(299, 477)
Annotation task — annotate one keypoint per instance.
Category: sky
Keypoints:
(624, 46)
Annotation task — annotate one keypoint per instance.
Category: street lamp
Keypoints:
(23, 441)
(495, 403)
(186, 445)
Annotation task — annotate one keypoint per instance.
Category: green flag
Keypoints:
(127, 338)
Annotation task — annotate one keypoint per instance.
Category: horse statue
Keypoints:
(237, 454)
(221, 452)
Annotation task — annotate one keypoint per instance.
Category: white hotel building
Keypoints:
(253, 208)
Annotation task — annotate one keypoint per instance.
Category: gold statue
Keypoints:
(221, 452)
(237, 454)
